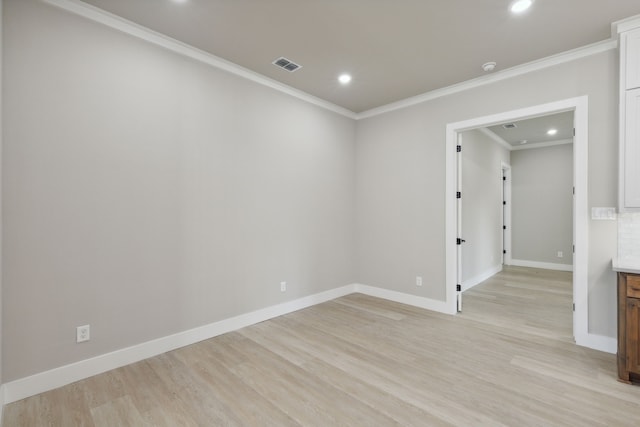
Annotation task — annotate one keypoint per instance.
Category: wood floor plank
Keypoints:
(508, 359)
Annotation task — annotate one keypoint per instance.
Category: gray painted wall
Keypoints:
(401, 179)
(482, 160)
(146, 194)
(542, 204)
(1, 138)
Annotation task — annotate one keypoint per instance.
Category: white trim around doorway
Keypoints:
(579, 106)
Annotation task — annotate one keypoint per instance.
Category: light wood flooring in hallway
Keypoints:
(508, 360)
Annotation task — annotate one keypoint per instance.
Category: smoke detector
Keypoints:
(489, 66)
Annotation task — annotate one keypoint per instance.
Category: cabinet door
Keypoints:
(631, 150)
(632, 59)
(633, 332)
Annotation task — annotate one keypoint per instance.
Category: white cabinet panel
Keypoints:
(632, 57)
(631, 150)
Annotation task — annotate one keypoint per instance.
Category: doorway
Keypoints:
(579, 106)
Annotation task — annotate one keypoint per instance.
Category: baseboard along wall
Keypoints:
(544, 265)
(476, 280)
(58, 377)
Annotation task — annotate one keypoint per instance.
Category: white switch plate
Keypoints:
(418, 280)
(603, 213)
(560, 254)
(283, 286)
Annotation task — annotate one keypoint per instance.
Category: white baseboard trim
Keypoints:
(414, 300)
(58, 377)
(544, 265)
(475, 281)
(598, 342)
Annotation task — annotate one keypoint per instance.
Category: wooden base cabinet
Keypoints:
(629, 327)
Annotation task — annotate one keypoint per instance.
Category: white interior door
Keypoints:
(459, 239)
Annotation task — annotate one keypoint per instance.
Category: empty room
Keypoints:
(319, 213)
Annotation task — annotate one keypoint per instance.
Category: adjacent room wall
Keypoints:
(482, 160)
(146, 194)
(542, 205)
(401, 179)
(1, 199)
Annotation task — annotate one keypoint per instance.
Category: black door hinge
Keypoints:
(504, 251)
(458, 148)
(504, 227)
(460, 241)
(504, 202)
(458, 288)
(458, 195)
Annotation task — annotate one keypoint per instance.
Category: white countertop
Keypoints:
(626, 265)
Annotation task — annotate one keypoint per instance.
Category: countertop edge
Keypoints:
(627, 266)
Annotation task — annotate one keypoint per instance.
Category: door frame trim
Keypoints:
(505, 168)
(580, 107)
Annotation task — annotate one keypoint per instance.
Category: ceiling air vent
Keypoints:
(286, 64)
(509, 126)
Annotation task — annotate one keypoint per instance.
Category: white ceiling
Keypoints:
(534, 131)
(394, 49)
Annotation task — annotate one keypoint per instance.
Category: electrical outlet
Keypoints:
(418, 280)
(283, 286)
(559, 254)
(83, 333)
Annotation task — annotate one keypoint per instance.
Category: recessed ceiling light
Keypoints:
(524, 141)
(552, 132)
(519, 6)
(344, 78)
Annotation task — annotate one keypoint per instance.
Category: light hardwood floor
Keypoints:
(507, 361)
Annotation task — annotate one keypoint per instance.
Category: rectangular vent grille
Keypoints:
(509, 126)
(286, 64)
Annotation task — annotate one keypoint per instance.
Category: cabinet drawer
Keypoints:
(633, 286)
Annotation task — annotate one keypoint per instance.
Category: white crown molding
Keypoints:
(494, 136)
(623, 25)
(489, 133)
(534, 145)
(518, 70)
(98, 15)
(113, 21)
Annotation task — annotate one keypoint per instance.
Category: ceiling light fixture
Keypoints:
(552, 132)
(519, 6)
(489, 66)
(344, 79)
(524, 141)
